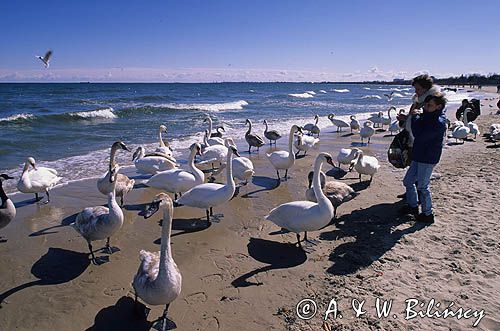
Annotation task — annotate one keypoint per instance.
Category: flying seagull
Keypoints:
(389, 96)
(46, 58)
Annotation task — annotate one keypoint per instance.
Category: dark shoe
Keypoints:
(402, 196)
(425, 218)
(407, 210)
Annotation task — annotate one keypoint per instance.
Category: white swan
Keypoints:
(151, 163)
(366, 165)
(354, 123)
(212, 141)
(210, 195)
(455, 125)
(312, 128)
(123, 183)
(303, 216)
(460, 132)
(178, 180)
(339, 123)
(347, 156)
(335, 191)
(376, 118)
(394, 127)
(211, 155)
(164, 148)
(284, 160)
(98, 223)
(158, 280)
(211, 134)
(38, 180)
(7, 209)
(473, 127)
(367, 131)
(305, 143)
(386, 120)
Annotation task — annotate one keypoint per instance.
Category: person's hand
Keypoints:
(401, 117)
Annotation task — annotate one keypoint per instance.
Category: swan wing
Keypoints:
(202, 196)
(291, 215)
(148, 269)
(88, 218)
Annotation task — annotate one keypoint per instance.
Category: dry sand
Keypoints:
(242, 273)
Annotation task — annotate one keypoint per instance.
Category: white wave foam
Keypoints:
(304, 95)
(366, 88)
(322, 91)
(371, 96)
(99, 113)
(235, 105)
(341, 90)
(311, 92)
(23, 116)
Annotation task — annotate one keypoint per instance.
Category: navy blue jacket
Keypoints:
(428, 130)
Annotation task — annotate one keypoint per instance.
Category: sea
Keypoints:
(71, 126)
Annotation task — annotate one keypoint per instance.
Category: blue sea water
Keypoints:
(70, 127)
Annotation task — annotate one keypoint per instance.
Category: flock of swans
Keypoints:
(158, 279)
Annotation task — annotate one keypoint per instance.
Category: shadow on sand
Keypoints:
(65, 222)
(267, 184)
(277, 255)
(57, 266)
(120, 317)
(375, 229)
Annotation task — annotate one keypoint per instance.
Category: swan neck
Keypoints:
(26, 167)
(249, 127)
(318, 192)
(290, 145)
(112, 156)
(209, 126)
(198, 174)
(265, 123)
(229, 173)
(165, 248)
(466, 123)
(162, 144)
(3, 196)
(316, 122)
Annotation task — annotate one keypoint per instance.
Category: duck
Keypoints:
(99, 223)
(178, 181)
(473, 127)
(271, 135)
(123, 183)
(460, 132)
(37, 180)
(367, 131)
(305, 143)
(337, 192)
(354, 123)
(347, 156)
(152, 163)
(366, 165)
(209, 195)
(312, 128)
(7, 209)
(284, 160)
(158, 280)
(304, 216)
(164, 148)
(253, 140)
(339, 123)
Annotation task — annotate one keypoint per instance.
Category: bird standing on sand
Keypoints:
(7, 208)
(271, 134)
(252, 139)
(46, 58)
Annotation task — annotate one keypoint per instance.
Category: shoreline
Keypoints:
(244, 264)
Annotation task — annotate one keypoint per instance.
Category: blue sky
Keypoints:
(199, 41)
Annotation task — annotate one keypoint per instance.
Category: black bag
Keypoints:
(399, 150)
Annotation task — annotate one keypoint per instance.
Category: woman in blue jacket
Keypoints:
(428, 130)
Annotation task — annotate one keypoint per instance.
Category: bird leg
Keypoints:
(334, 212)
(94, 261)
(208, 216)
(359, 177)
(298, 241)
(278, 173)
(286, 174)
(121, 201)
(166, 323)
(211, 212)
(310, 241)
(175, 196)
(108, 249)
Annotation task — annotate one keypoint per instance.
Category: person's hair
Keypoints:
(438, 98)
(423, 80)
(465, 100)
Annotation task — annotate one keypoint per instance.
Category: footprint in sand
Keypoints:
(197, 297)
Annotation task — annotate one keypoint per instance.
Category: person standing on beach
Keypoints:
(428, 130)
(424, 86)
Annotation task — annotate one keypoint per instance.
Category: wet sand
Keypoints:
(242, 272)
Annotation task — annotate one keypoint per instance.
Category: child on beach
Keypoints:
(428, 131)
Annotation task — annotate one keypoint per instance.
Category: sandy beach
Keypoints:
(243, 273)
